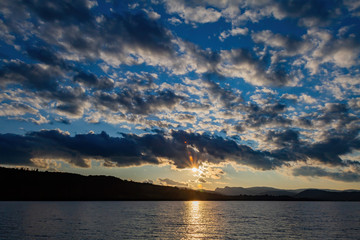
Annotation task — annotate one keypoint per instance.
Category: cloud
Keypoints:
(307, 99)
(241, 63)
(48, 56)
(197, 14)
(175, 148)
(63, 120)
(344, 176)
(233, 32)
(29, 75)
(174, 21)
(292, 46)
(343, 52)
(16, 109)
(169, 182)
(76, 31)
(132, 101)
(41, 119)
(130, 150)
(55, 144)
(60, 11)
(227, 97)
(327, 151)
(286, 138)
(152, 14)
(91, 80)
(268, 114)
(353, 6)
(309, 13)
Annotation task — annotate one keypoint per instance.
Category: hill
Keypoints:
(256, 191)
(297, 194)
(25, 185)
(20, 184)
(322, 195)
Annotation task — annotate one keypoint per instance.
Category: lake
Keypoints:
(179, 220)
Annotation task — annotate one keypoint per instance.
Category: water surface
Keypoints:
(179, 220)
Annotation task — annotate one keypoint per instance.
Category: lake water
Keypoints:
(179, 220)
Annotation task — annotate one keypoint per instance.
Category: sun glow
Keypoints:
(197, 170)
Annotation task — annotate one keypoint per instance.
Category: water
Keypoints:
(179, 220)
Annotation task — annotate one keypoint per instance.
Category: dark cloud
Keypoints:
(54, 144)
(128, 150)
(117, 39)
(70, 108)
(46, 83)
(31, 76)
(63, 11)
(336, 111)
(14, 150)
(345, 176)
(328, 151)
(73, 28)
(217, 149)
(309, 12)
(70, 100)
(48, 56)
(286, 138)
(137, 31)
(239, 128)
(91, 80)
(269, 114)
(138, 102)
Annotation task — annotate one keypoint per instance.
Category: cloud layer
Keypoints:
(265, 84)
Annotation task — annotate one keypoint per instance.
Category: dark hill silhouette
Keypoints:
(323, 195)
(21, 184)
(256, 191)
(33, 185)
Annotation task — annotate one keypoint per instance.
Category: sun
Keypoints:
(197, 170)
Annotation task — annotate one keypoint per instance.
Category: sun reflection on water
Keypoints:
(196, 228)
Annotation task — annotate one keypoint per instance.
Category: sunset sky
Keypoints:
(248, 93)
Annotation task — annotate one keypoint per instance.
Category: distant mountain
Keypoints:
(25, 185)
(299, 194)
(323, 195)
(256, 191)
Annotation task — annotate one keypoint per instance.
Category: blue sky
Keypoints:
(247, 92)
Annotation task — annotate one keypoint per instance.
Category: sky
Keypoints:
(188, 93)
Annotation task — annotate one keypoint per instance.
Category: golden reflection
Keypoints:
(196, 227)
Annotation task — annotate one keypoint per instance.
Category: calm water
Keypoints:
(179, 220)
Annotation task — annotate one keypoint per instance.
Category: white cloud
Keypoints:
(197, 14)
(152, 14)
(174, 21)
(233, 32)
(307, 99)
